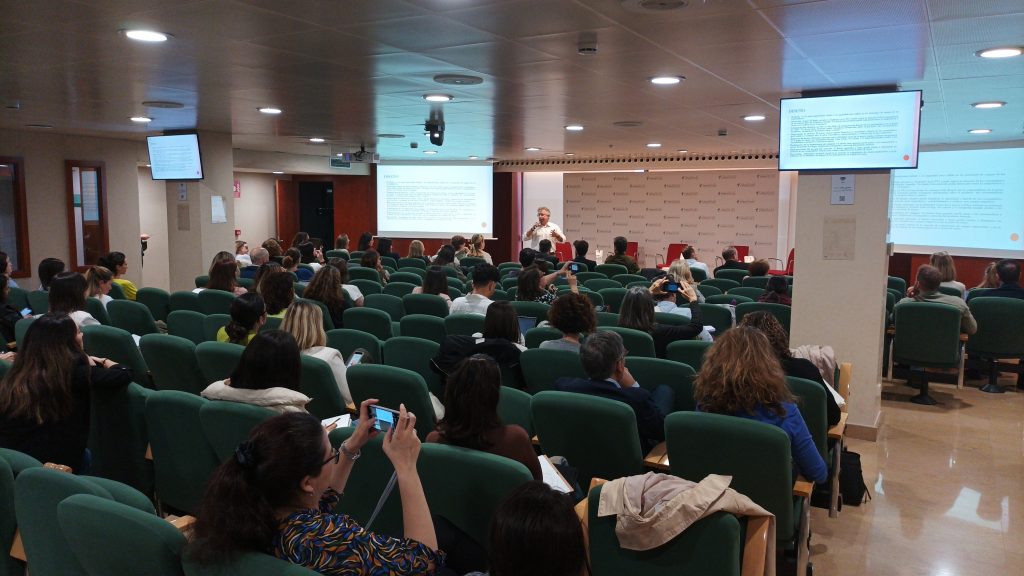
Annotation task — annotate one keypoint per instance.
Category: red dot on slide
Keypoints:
(906, 157)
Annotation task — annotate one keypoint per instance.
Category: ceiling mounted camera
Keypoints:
(434, 126)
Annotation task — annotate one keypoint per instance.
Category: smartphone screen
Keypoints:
(26, 312)
(574, 267)
(356, 358)
(671, 287)
(385, 418)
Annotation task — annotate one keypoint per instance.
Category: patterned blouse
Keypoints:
(331, 543)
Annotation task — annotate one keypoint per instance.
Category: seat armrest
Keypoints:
(837, 431)
(658, 457)
(802, 487)
(182, 523)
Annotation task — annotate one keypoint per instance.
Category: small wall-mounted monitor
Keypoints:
(175, 157)
(855, 132)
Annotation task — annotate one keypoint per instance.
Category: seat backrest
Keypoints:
(18, 298)
(336, 253)
(750, 292)
(96, 309)
(637, 343)
(951, 291)
(537, 336)
(20, 328)
(319, 384)
(361, 273)
(465, 324)
(611, 270)
(613, 298)
(723, 284)
(429, 304)
(215, 301)
(733, 274)
(39, 301)
(465, 486)
(399, 288)
(514, 408)
(755, 454)
(425, 326)
(158, 301)
(420, 273)
(897, 283)
(182, 458)
(689, 352)
(999, 332)
(674, 252)
(172, 363)
(227, 424)
(414, 354)
(781, 312)
(412, 263)
(393, 386)
(408, 277)
(218, 360)
(118, 436)
(730, 298)
(118, 345)
(376, 322)
(755, 282)
(670, 319)
(625, 280)
(187, 324)
(542, 367)
(346, 341)
(600, 283)
(367, 286)
(567, 425)
(653, 372)
(392, 305)
(718, 316)
(11, 464)
(927, 334)
(471, 261)
(710, 546)
(698, 274)
(108, 537)
(184, 300)
(212, 323)
(607, 319)
(202, 280)
(707, 290)
(132, 317)
(810, 400)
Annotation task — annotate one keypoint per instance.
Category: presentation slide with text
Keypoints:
(434, 200)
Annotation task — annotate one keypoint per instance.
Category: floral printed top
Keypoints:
(331, 543)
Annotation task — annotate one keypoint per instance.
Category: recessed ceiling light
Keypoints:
(574, 128)
(474, 157)
(986, 105)
(570, 154)
(980, 131)
(3, 165)
(681, 151)
(1002, 52)
(146, 35)
(149, 165)
(316, 140)
(753, 117)
(654, 145)
(431, 152)
(278, 172)
(532, 149)
(340, 154)
(667, 80)
(141, 119)
(437, 97)
(269, 110)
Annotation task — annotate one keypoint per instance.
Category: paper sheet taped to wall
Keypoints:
(840, 235)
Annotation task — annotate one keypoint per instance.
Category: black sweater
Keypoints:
(803, 368)
(664, 334)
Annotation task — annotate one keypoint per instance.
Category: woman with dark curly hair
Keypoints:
(371, 260)
(278, 292)
(574, 315)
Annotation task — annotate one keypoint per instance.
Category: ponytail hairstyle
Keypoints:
(95, 276)
(238, 512)
(246, 312)
(292, 257)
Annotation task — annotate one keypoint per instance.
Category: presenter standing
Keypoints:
(543, 229)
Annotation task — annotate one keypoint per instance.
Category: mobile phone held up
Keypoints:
(356, 358)
(574, 267)
(386, 418)
(672, 287)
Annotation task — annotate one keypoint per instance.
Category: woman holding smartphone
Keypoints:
(278, 493)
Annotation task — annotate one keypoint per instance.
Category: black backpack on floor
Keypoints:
(851, 479)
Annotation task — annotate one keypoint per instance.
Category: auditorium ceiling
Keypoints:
(350, 71)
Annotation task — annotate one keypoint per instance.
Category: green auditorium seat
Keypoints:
(119, 346)
(218, 360)
(637, 343)
(689, 352)
(393, 386)
(543, 367)
(172, 363)
(425, 304)
(346, 341)
(182, 458)
(375, 322)
(186, 324)
(227, 424)
(216, 301)
(652, 372)
(415, 354)
(158, 301)
(318, 383)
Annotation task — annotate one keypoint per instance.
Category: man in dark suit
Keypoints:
(604, 360)
(582, 247)
(1009, 276)
(731, 263)
(259, 257)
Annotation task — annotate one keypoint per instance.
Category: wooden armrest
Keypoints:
(802, 488)
(658, 457)
(12, 345)
(536, 441)
(755, 546)
(149, 451)
(891, 331)
(836, 432)
(18, 548)
(182, 523)
(58, 467)
(352, 408)
(963, 337)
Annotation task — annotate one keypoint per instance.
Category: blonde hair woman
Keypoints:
(305, 322)
(679, 272)
(476, 248)
(100, 279)
(416, 250)
(944, 262)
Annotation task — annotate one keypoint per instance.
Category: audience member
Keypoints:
(543, 229)
(9, 315)
(265, 271)
(741, 376)
(273, 247)
(926, 289)
(305, 322)
(679, 272)
(67, 296)
(535, 530)
(248, 314)
(485, 281)
(544, 248)
(582, 247)
(278, 292)
(326, 288)
(371, 260)
(99, 280)
(49, 268)
(307, 251)
(416, 250)
(267, 375)
(435, 282)
(990, 279)
(446, 257)
(341, 243)
(45, 397)
(7, 269)
(223, 275)
(638, 313)
(242, 253)
(532, 286)
(730, 262)
(620, 257)
(290, 263)
(1009, 280)
(257, 258)
(384, 249)
(500, 339)
(526, 258)
(604, 361)
(502, 323)
(574, 315)
(117, 263)
(944, 262)
(279, 492)
(476, 248)
(461, 249)
(471, 415)
(776, 291)
(770, 326)
(351, 289)
(365, 242)
(759, 267)
(690, 256)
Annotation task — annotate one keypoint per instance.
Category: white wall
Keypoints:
(256, 210)
(153, 221)
(542, 189)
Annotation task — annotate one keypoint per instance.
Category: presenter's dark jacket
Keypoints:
(650, 422)
(591, 264)
(665, 334)
(1005, 290)
(732, 265)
